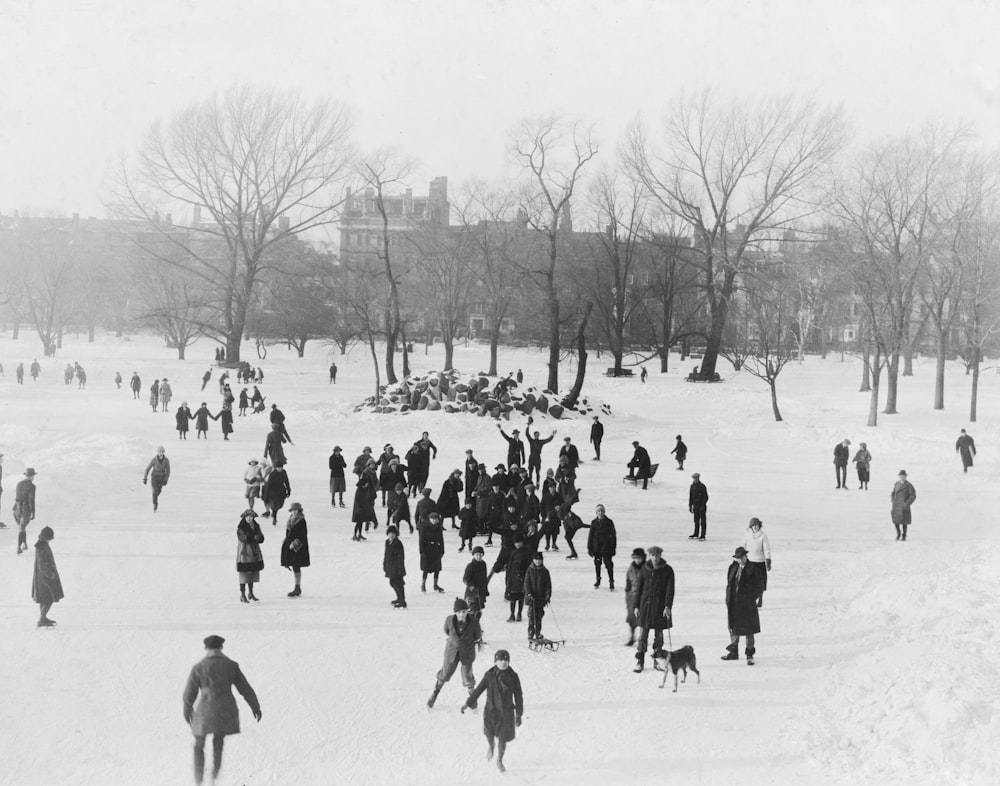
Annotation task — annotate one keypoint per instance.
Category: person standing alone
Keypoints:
(596, 436)
(841, 455)
(863, 461)
(903, 496)
(698, 506)
(966, 446)
(158, 469)
(24, 507)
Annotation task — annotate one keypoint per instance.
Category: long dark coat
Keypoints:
(903, 495)
(183, 417)
(640, 461)
(277, 488)
(603, 540)
(295, 530)
(654, 592)
(419, 465)
(742, 592)
(364, 499)
(504, 702)
(517, 567)
(537, 584)
(46, 586)
(482, 496)
(272, 447)
(201, 417)
(469, 523)
(697, 494)
(249, 557)
(213, 678)
(449, 501)
(515, 450)
(680, 450)
(225, 417)
(967, 447)
(471, 476)
(475, 582)
(431, 546)
(394, 560)
(461, 642)
(386, 479)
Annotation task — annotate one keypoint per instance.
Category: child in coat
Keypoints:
(470, 524)
(398, 506)
(394, 566)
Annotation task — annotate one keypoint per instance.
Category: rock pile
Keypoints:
(449, 391)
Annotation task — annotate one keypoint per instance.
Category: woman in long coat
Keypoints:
(481, 494)
(201, 417)
(225, 416)
(431, 544)
(504, 704)
(249, 558)
(386, 481)
(365, 494)
(183, 418)
(253, 479)
(276, 490)
(46, 587)
(295, 547)
(449, 501)
(154, 394)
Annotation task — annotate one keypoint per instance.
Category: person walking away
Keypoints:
(698, 506)
(295, 548)
(742, 591)
(394, 566)
(365, 493)
(463, 637)
(399, 506)
(680, 452)
(640, 461)
(596, 436)
(183, 418)
(158, 469)
(631, 588)
(249, 557)
(863, 460)
(276, 489)
(210, 684)
(278, 417)
(537, 595)
(903, 496)
(46, 587)
(24, 507)
(36, 369)
(244, 403)
(19, 373)
(841, 453)
(201, 416)
(966, 446)
(338, 482)
(655, 601)
(504, 706)
(758, 548)
(273, 445)
(431, 544)
(601, 544)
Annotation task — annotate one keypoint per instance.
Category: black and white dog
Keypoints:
(677, 660)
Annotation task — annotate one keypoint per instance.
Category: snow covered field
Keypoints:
(877, 660)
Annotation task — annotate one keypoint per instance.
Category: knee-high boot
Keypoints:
(437, 689)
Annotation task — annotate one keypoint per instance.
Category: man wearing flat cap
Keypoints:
(743, 587)
(210, 683)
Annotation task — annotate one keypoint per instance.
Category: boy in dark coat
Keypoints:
(515, 448)
(504, 705)
(431, 543)
(743, 587)
(394, 566)
(537, 594)
(464, 635)
(596, 437)
(475, 582)
(448, 504)
(640, 462)
(517, 567)
(399, 506)
(470, 524)
(654, 603)
(601, 545)
(680, 452)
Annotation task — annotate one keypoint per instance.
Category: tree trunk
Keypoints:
(664, 357)
(873, 398)
(975, 388)
(942, 349)
(16, 331)
(378, 380)
(892, 379)
(772, 383)
(581, 355)
(553, 381)
(449, 346)
(390, 344)
(300, 347)
(181, 349)
(494, 344)
(91, 330)
(866, 384)
(618, 362)
(714, 346)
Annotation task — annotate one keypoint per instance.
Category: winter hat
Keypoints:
(336, 448)
(902, 473)
(595, 417)
(295, 506)
(655, 551)
(539, 555)
(696, 475)
(460, 605)
(740, 552)
(249, 512)
(638, 552)
(501, 655)
(391, 530)
(214, 642)
(30, 472)
(678, 436)
(252, 462)
(756, 521)
(500, 466)
(635, 443)
(478, 550)
(46, 534)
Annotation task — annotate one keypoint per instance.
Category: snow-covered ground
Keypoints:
(877, 662)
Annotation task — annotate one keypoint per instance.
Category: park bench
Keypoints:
(703, 378)
(625, 372)
(634, 481)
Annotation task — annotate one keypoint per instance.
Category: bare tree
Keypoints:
(735, 172)
(263, 165)
(553, 152)
(172, 304)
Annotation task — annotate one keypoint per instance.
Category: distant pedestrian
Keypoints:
(136, 384)
(46, 587)
(278, 417)
(680, 452)
(463, 637)
(157, 470)
(504, 705)
(201, 416)
(295, 548)
(333, 373)
(166, 393)
(338, 483)
(249, 557)
(966, 446)
(212, 679)
(19, 373)
(24, 507)
(431, 543)
(742, 590)
(519, 377)
(154, 395)
(205, 378)
(36, 369)
(597, 436)
(273, 445)
(758, 554)
(863, 461)
(394, 566)
(698, 506)
(903, 496)
(244, 403)
(225, 417)
(643, 374)
(841, 455)
(118, 380)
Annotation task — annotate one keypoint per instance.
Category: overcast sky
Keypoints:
(447, 79)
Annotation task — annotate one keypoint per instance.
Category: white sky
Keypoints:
(447, 79)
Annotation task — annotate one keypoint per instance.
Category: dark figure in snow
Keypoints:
(394, 566)
(278, 417)
(2, 525)
(471, 474)
(46, 587)
(571, 525)
(386, 479)
(639, 466)
(504, 705)
(464, 637)
(903, 496)
(228, 397)
(535, 445)
(469, 526)
(249, 557)
(257, 399)
(565, 478)
(225, 416)
(273, 445)
(223, 381)
(966, 446)
(205, 378)
(201, 416)
(431, 543)
(365, 494)
(742, 590)
(118, 380)
(183, 418)
(698, 506)
(244, 403)
(537, 594)
(338, 483)
(295, 548)
(654, 601)
(416, 461)
(475, 582)
(362, 461)
(481, 496)
(19, 373)
(136, 384)
(571, 453)
(863, 461)
(680, 452)
(517, 567)
(333, 373)
(841, 455)
(398, 509)
(631, 593)
(643, 374)
(519, 376)
(758, 554)
(428, 450)
(515, 448)
(24, 507)
(596, 436)
(154, 394)
(449, 500)
(276, 490)
(157, 470)
(213, 678)
(601, 545)
(423, 509)
(35, 370)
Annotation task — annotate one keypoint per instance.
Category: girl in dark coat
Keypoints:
(601, 545)
(295, 548)
(201, 417)
(470, 525)
(183, 418)
(244, 402)
(385, 476)
(449, 501)
(394, 566)
(504, 705)
(476, 584)
(225, 416)
(680, 452)
(399, 506)
(365, 493)
(249, 558)
(431, 550)
(46, 588)
(338, 482)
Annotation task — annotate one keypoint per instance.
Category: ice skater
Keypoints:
(464, 635)
(504, 705)
(157, 470)
(46, 588)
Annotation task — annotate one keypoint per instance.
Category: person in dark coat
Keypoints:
(416, 461)
(863, 461)
(386, 477)
(338, 484)
(475, 581)
(654, 603)
(225, 416)
(362, 461)
(157, 470)
(429, 450)
(210, 683)
(399, 506)
(431, 543)
(481, 495)
(46, 587)
(257, 399)
(469, 526)
(743, 587)
(597, 436)
(515, 448)
(966, 446)
(333, 373)
(571, 525)
(535, 445)
(565, 478)
(424, 507)
(680, 452)
(205, 378)
(249, 557)
(154, 394)
(601, 545)
(273, 445)
(365, 494)
(471, 474)
(24, 507)
(295, 548)
(631, 593)
(698, 506)
(276, 490)
(244, 403)
(183, 417)
(494, 511)
(394, 566)
(449, 500)
(537, 594)
(570, 452)
(517, 566)
(639, 466)
(278, 419)
(903, 496)
(504, 705)
(464, 636)
(841, 455)
(201, 416)
(136, 384)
